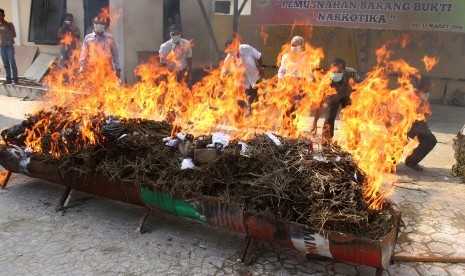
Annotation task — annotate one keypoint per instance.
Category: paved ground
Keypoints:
(96, 236)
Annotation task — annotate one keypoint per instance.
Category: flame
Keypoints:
(430, 62)
(3, 176)
(374, 127)
(67, 39)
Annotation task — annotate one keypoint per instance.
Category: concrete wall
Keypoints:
(195, 28)
(139, 27)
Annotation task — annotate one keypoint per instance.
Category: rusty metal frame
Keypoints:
(7, 178)
(303, 238)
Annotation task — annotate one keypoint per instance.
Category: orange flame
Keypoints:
(374, 128)
(430, 62)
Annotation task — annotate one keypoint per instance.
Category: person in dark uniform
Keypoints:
(420, 129)
(340, 82)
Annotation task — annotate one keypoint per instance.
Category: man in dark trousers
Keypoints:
(340, 82)
(7, 40)
(420, 129)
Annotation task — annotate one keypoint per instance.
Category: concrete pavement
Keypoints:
(96, 236)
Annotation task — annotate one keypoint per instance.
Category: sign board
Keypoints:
(432, 15)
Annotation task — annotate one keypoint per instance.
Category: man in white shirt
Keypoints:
(176, 54)
(241, 64)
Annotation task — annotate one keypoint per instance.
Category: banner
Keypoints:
(433, 15)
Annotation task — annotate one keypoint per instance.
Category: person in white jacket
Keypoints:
(241, 63)
(296, 63)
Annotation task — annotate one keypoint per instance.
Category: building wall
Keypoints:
(194, 28)
(139, 27)
(75, 7)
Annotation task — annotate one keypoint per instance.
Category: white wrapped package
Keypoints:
(187, 164)
(273, 138)
(220, 138)
(170, 142)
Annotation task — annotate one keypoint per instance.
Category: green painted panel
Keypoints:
(165, 202)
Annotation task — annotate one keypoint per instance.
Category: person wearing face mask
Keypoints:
(97, 43)
(243, 59)
(69, 39)
(176, 54)
(340, 82)
(295, 63)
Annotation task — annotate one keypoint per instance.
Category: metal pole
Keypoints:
(242, 7)
(210, 29)
(433, 259)
(235, 17)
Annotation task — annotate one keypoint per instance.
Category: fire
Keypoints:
(429, 62)
(373, 130)
(67, 39)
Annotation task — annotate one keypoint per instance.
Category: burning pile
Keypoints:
(336, 188)
(288, 179)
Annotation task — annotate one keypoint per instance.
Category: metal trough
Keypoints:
(307, 239)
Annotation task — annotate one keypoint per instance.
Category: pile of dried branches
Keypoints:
(317, 187)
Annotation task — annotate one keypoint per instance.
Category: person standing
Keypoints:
(243, 59)
(68, 34)
(176, 54)
(7, 36)
(420, 129)
(340, 82)
(296, 64)
(99, 43)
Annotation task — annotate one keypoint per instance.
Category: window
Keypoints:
(46, 18)
(223, 7)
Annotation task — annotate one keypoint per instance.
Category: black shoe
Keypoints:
(16, 82)
(7, 82)
(416, 167)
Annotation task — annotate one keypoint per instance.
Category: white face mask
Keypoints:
(336, 77)
(175, 38)
(295, 49)
(99, 28)
(68, 22)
